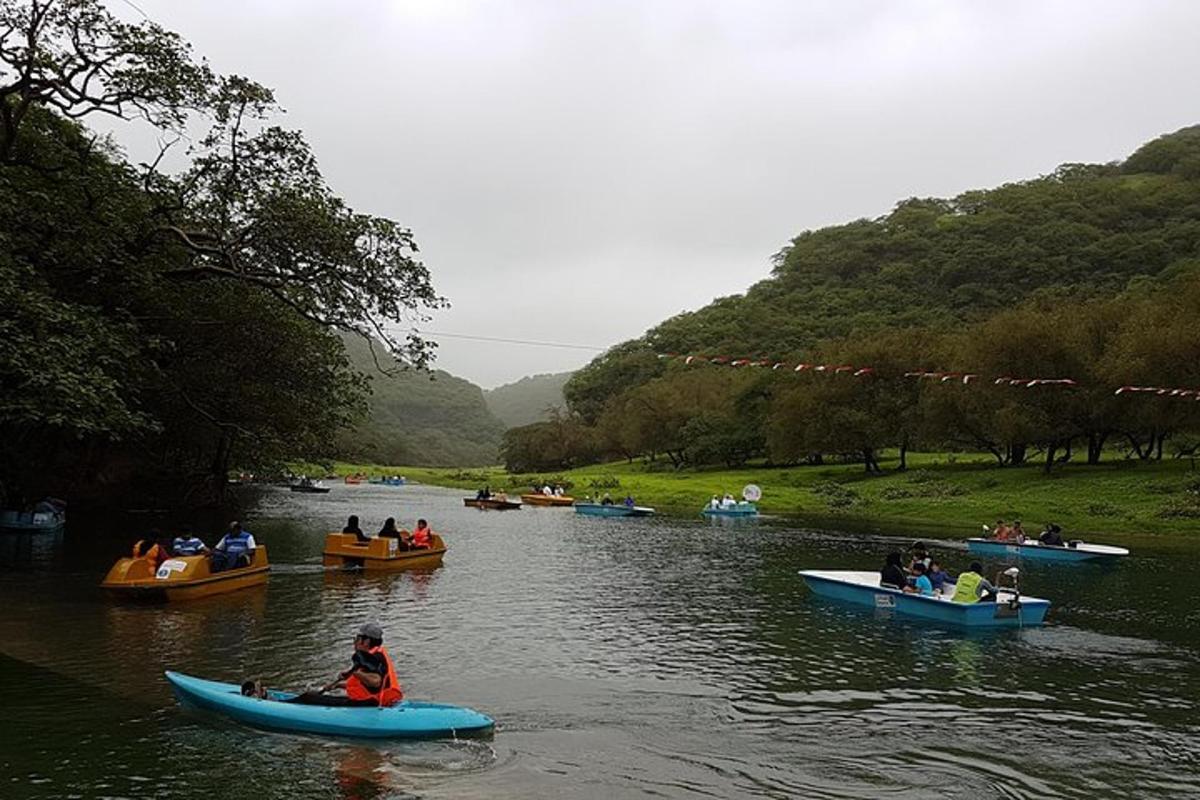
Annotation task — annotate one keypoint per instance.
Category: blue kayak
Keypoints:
(408, 719)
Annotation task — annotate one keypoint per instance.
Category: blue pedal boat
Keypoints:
(613, 510)
(739, 510)
(408, 719)
(1077, 551)
(1010, 610)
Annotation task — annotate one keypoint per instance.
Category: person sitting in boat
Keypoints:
(422, 536)
(921, 583)
(155, 548)
(629, 501)
(972, 587)
(1002, 531)
(919, 556)
(236, 549)
(715, 502)
(559, 492)
(371, 680)
(188, 544)
(1018, 533)
(501, 496)
(727, 501)
(390, 531)
(353, 527)
(892, 573)
(606, 500)
(484, 494)
(1052, 536)
(547, 491)
(937, 576)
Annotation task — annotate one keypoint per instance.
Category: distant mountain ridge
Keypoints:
(526, 401)
(420, 418)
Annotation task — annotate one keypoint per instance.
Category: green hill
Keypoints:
(420, 418)
(1081, 232)
(526, 401)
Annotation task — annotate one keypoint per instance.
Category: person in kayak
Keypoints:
(972, 587)
(370, 681)
(892, 573)
(236, 549)
(352, 526)
(422, 536)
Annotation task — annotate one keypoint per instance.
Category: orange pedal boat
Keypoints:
(539, 499)
(183, 577)
(381, 552)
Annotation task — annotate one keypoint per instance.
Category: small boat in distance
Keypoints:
(48, 516)
(742, 509)
(309, 486)
(380, 553)
(408, 719)
(491, 503)
(1031, 548)
(612, 510)
(183, 577)
(1010, 610)
(539, 499)
(357, 477)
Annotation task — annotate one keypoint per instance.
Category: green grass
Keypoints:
(941, 493)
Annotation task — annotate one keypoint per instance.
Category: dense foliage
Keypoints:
(1090, 273)
(528, 400)
(160, 328)
(419, 418)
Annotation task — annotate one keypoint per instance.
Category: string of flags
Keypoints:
(965, 378)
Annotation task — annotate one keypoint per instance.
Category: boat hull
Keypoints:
(1028, 611)
(749, 510)
(381, 553)
(405, 720)
(1041, 552)
(491, 504)
(182, 578)
(546, 500)
(309, 489)
(614, 510)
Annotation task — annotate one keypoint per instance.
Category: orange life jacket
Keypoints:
(149, 555)
(422, 537)
(389, 692)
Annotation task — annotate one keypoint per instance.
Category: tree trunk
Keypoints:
(1158, 446)
(1051, 449)
(1096, 440)
(904, 454)
(1066, 456)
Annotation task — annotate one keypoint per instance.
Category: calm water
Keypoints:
(621, 658)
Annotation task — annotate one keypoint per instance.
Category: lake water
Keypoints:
(678, 658)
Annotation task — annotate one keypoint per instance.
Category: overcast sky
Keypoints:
(577, 171)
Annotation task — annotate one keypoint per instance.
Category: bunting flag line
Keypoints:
(966, 378)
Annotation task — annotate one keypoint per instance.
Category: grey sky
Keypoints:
(578, 171)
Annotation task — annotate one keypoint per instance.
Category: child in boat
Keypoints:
(921, 583)
(937, 576)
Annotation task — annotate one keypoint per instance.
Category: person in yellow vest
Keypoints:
(972, 587)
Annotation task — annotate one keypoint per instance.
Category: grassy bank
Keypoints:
(938, 491)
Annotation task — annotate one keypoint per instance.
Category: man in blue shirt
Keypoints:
(188, 544)
(236, 549)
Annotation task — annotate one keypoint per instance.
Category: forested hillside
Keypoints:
(529, 399)
(1090, 273)
(419, 418)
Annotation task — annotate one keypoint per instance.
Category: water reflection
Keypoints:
(620, 657)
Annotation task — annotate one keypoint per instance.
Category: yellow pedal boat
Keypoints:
(382, 552)
(183, 577)
(539, 499)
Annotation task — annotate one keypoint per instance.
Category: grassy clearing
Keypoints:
(948, 493)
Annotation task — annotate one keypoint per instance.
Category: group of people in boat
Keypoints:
(370, 680)
(924, 575)
(235, 549)
(726, 502)
(551, 491)
(1051, 535)
(420, 539)
(486, 493)
(607, 500)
